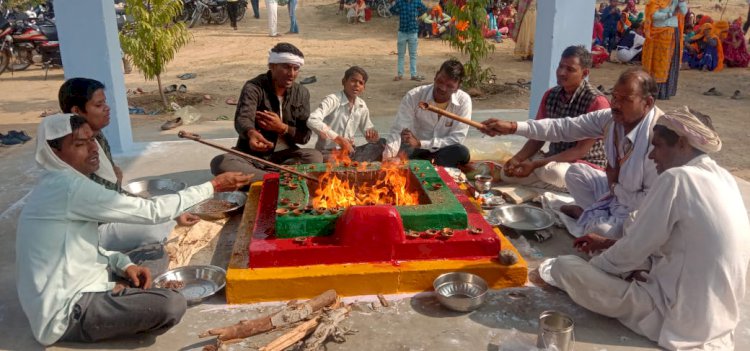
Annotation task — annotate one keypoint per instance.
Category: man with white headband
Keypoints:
(271, 117)
(677, 276)
(64, 282)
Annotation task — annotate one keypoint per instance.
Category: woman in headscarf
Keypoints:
(663, 27)
(735, 48)
(523, 31)
(705, 51)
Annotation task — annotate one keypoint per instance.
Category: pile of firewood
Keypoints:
(314, 322)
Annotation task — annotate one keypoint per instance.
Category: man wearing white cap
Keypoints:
(677, 275)
(271, 117)
(64, 283)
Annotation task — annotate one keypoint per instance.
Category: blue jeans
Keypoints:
(411, 40)
(293, 17)
(256, 8)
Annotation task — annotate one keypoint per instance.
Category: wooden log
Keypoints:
(288, 315)
(290, 338)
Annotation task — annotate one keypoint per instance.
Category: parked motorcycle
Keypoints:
(24, 43)
(207, 11)
(188, 8)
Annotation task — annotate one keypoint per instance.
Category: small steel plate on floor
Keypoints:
(197, 282)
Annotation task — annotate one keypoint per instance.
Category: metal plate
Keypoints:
(154, 187)
(522, 217)
(200, 281)
(234, 200)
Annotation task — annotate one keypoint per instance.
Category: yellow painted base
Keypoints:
(245, 285)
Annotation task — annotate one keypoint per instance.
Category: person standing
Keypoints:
(232, 8)
(408, 26)
(271, 118)
(293, 28)
(256, 8)
(610, 18)
(662, 51)
(524, 29)
(272, 7)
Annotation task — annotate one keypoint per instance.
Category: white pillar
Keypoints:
(91, 49)
(559, 24)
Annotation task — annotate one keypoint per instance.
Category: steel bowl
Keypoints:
(522, 217)
(460, 291)
(154, 187)
(229, 203)
(200, 282)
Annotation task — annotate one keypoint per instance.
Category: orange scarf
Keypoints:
(660, 42)
(713, 34)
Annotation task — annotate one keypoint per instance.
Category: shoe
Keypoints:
(182, 88)
(23, 136)
(170, 88)
(231, 101)
(9, 140)
(417, 78)
(712, 92)
(600, 88)
(172, 124)
(737, 95)
(309, 80)
(185, 76)
(397, 78)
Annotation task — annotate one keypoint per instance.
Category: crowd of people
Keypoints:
(668, 222)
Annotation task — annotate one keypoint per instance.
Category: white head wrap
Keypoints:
(285, 57)
(686, 125)
(57, 126)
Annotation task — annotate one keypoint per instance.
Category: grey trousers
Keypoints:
(103, 315)
(232, 163)
(370, 152)
(449, 156)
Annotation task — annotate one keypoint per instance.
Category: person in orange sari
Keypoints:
(663, 27)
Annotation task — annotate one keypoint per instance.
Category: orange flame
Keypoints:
(391, 186)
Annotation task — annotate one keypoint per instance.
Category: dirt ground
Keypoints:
(224, 59)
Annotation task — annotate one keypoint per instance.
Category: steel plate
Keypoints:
(522, 217)
(154, 187)
(200, 282)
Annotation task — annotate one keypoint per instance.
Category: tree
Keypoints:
(153, 38)
(469, 17)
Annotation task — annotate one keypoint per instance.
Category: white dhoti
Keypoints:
(271, 7)
(603, 214)
(125, 237)
(625, 54)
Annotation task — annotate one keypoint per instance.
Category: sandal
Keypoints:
(185, 76)
(397, 78)
(170, 88)
(182, 88)
(417, 78)
(231, 101)
(737, 95)
(712, 92)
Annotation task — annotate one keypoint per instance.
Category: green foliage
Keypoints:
(22, 4)
(468, 39)
(153, 39)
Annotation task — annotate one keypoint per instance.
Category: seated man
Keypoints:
(85, 97)
(604, 199)
(685, 249)
(63, 274)
(340, 115)
(271, 118)
(573, 96)
(425, 135)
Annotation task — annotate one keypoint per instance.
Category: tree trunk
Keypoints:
(161, 93)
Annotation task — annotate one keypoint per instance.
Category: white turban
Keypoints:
(285, 57)
(686, 125)
(58, 126)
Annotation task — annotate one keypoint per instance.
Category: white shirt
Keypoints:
(433, 131)
(637, 174)
(58, 257)
(693, 230)
(333, 118)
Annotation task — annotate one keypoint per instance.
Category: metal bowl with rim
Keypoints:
(460, 291)
(200, 282)
(221, 205)
(154, 187)
(522, 217)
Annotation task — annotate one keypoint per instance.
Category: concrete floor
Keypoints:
(508, 321)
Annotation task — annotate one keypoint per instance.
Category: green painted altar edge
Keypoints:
(443, 211)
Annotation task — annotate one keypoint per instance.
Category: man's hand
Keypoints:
(510, 167)
(187, 219)
(231, 181)
(493, 127)
(524, 168)
(371, 135)
(591, 243)
(258, 142)
(269, 120)
(118, 174)
(345, 144)
(139, 276)
(407, 137)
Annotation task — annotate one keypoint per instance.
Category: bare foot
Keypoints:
(572, 211)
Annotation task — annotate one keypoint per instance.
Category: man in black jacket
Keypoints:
(271, 117)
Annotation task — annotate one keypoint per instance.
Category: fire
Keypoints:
(390, 187)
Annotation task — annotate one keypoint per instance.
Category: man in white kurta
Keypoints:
(689, 237)
(606, 198)
(63, 284)
(423, 134)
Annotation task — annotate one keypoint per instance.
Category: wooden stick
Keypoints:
(425, 106)
(290, 338)
(196, 137)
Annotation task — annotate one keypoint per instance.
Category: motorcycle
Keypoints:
(188, 7)
(207, 11)
(25, 43)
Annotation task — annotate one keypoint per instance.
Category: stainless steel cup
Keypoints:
(482, 183)
(555, 330)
